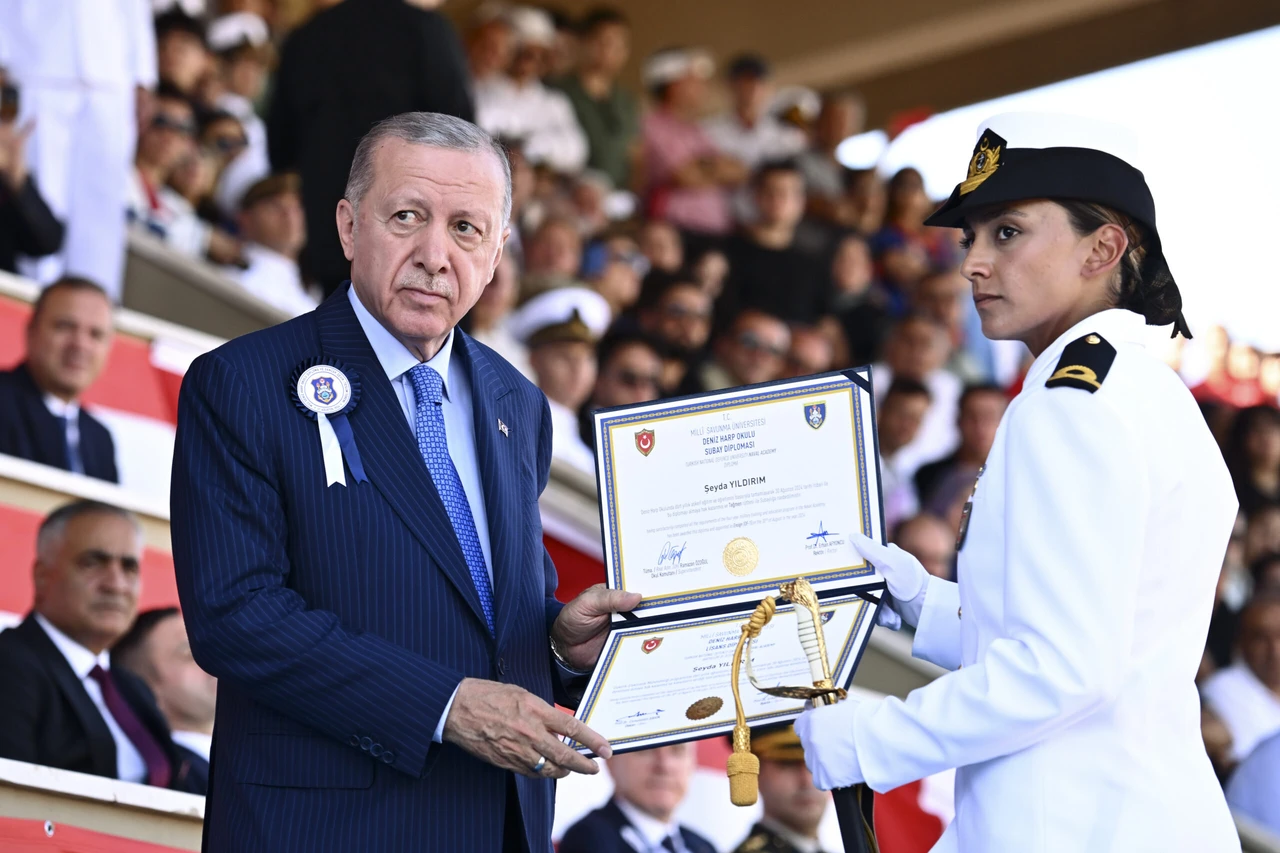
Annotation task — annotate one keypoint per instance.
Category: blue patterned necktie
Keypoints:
(434, 447)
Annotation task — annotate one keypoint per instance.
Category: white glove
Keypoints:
(906, 577)
(829, 750)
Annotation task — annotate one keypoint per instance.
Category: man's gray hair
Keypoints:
(55, 523)
(420, 128)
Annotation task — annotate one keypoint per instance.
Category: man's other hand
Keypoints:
(583, 624)
(511, 728)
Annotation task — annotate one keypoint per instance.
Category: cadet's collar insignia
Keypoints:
(985, 160)
(1084, 364)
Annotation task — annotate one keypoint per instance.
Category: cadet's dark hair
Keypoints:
(617, 340)
(975, 388)
(1140, 286)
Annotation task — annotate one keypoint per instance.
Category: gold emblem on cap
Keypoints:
(1093, 339)
(983, 164)
(741, 556)
(704, 708)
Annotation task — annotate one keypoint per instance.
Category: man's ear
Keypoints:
(502, 246)
(1106, 250)
(347, 228)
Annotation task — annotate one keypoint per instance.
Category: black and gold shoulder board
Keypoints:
(1084, 364)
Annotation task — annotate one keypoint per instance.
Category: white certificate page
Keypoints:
(717, 499)
(672, 682)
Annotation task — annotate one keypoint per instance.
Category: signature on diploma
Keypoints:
(822, 533)
(639, 715)
(671, 554)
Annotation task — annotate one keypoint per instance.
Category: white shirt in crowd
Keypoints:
(500, 340)
(273, 278)
(767, 139)
(939, 435)
(163, 213)
(566, 442)
(130, 766)
(899, 490)
(1249, 710)
(250, 165)
(647, 833)
(69, 414)
(543, 118)
(198, 742)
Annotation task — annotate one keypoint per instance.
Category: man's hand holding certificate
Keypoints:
(709, 504)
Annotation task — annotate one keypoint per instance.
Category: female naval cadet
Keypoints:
(1089, 550)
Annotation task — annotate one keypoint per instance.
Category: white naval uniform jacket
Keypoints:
(1086, 583)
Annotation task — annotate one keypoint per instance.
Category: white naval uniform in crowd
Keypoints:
(77, 64)
(1086, 582)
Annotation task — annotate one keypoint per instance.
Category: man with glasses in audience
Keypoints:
(630, 372)
(64, 705)
(811, 352)
(152, 204)
(68, 339)
(677, 312)
(752, 350)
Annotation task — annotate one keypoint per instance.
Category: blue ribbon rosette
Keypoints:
(325, 391)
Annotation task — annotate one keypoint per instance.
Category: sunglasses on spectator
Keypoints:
(680, 312)
(632, 379)
(749, 340)
(164, 122)
(228, 144)
(636, 260)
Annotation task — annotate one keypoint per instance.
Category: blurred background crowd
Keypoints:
(692, 233)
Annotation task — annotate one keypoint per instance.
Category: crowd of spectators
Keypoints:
(660, 246)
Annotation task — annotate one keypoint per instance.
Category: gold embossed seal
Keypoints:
(704, 708)
(741, 556)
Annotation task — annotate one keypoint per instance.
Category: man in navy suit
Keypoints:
(649, 786)
(358, 547)
(68, 339)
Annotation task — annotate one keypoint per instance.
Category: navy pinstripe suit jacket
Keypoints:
(339, 620)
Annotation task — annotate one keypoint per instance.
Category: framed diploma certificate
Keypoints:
(708, 504)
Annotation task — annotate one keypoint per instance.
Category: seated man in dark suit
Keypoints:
(793, 806)
(978, 416)
(157, 651)
(68, 338)
(648, 787)
(63, 705)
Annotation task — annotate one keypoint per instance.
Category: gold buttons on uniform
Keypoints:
(1093, 339)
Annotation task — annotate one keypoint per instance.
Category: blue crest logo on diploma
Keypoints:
(815, 414)
(322, 389)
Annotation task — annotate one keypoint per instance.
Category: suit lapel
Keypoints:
(48, 433)
(389, 450)
(102, 746)
(499, 476)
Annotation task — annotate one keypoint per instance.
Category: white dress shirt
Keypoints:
(542, 117)
(69, 413)
(459, 422)
(130, 767)
(275, 279)
(649, 832)
(198, 742)
(1250, 711)
(566, 441)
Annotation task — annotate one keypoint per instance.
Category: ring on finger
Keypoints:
(542, 762)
